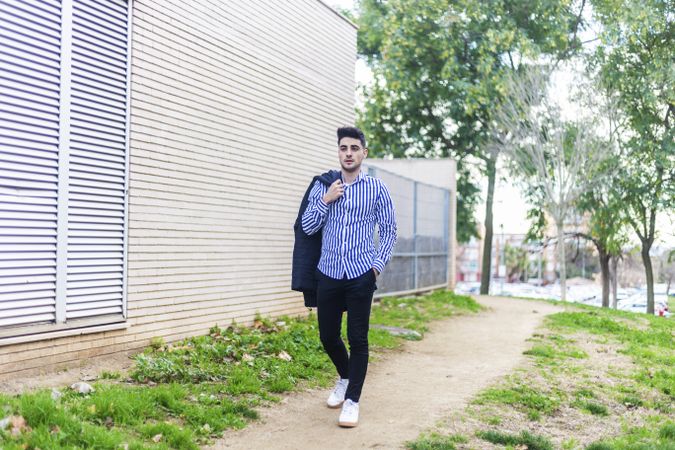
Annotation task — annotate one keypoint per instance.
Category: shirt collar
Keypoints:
(360, 177)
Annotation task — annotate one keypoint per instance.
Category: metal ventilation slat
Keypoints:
(29, 140)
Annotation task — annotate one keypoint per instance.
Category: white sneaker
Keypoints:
(337, 397)
(349, 417)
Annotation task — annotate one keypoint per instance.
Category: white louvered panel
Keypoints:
(97, 160)
(94, 252)
(16, 269)
(103, 158)
(22, 77)
(31, 303)
(84, 272)
(111, 172)
(96, 184)
(15, 258)
(101, 125)
(83, 104)
(104, 222)
(30, 161)
(29, 136)
(17, 284)
(82, 265)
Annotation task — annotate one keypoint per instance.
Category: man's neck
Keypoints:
(350, 177)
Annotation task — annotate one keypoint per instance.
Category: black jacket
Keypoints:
(307, 248)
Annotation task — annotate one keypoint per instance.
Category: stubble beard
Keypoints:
(352, 169)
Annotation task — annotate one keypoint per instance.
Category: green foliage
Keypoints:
(517, 261)
(205, 384)
(114, 375)
(652, 348)
(525, 398)
(414, 313)
(156, 343)
(439, 66)
(593, 408)
(634, 65)
(435, 441)
(659, 434)
(525, 438)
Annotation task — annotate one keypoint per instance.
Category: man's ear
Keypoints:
(365, 152)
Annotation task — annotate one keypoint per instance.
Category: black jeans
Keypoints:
(333, 298)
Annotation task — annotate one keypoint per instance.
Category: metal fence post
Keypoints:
(415, 268)
(446, 234)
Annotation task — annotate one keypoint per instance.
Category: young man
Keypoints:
(348, 211)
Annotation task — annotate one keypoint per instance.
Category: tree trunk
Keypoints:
(487, 240)
(604, 271)
(561, 262)
(613, 276)
(649, 272)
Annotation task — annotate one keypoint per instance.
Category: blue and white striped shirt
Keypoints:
(348, 223)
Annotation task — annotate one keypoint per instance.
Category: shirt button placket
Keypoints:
(344, 232)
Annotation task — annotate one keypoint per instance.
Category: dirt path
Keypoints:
(410, 390)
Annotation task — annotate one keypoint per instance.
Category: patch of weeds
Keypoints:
(584, 393)
(525, 438)
(114, 375)
(600, 446)
(170, 434)
(555, 350)
(382, 339)
(197, 388)
(542, 351)
(594, 408)
(46, 423)
(667, 431)
(570, 444)
(156, 343)
(631, 401)
(414, 313)
(522, 397)
(662, 379)
(494, 420)
(435, 441)
(655, 435)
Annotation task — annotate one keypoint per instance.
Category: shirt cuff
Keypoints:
(322, 206)
(378, 265)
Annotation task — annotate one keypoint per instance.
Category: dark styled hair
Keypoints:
(351, 132)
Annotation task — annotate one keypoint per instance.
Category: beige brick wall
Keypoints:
(234, 108)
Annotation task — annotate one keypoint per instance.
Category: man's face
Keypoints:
(351, 154)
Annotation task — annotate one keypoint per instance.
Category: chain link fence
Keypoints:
(420, 258)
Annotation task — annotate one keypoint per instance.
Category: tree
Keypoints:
(555, 158)
(603, 204)
(634, 62)
(667, 269)
(439, 69)
(517, 262)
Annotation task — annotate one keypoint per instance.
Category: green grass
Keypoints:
(435, 441)
(651, 348)
(527, 399)
(182, 395)
(561, 377)
(416, 313)
(659, 434)
(525, 438)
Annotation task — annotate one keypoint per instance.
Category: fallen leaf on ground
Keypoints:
(285, 356)
(18, 425)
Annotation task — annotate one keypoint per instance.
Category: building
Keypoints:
(151, 160)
